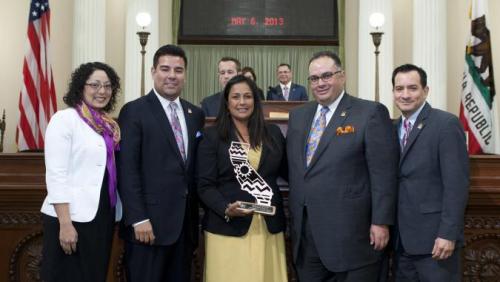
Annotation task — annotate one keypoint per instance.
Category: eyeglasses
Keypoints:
(324, 76)
(97, 86)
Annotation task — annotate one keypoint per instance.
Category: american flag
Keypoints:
(37, 100)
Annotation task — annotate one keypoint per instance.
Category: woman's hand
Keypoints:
(234, 210)
(68, 237)
(67, 232)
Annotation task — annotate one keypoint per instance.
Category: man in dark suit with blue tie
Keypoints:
(156, 175)
(286, 90)
(433, 184)
(342, 158)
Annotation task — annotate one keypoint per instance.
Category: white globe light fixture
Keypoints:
(377, 20)
(143, 19)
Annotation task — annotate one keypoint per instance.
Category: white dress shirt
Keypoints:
(333, 106)
(180, 113)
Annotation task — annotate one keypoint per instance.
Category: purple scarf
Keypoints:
(110, 131)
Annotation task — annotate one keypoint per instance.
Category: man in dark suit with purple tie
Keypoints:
(286, 90)
(160, 133)
(433, 184)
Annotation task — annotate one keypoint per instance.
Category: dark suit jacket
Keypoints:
(218, 186)
(349, 184)
(297, 93)
(433, 182)
(210, 105)
(153, 180)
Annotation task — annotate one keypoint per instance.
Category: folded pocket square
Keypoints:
(345, 130)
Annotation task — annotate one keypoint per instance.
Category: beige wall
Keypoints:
(13, 27)
(13, 22)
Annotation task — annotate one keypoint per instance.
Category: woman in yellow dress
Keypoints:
(241, 245)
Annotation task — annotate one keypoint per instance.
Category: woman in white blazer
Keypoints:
(82, 203)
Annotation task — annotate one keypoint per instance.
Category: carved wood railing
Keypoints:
(22, 189)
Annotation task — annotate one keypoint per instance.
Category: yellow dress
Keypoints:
(258, 256)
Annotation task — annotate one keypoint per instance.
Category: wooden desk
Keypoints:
(22, 190)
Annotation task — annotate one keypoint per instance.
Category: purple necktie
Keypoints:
(407, 129)
(285, 93)
(176, 127)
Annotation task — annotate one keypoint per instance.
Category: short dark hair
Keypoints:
(250, 70)
(284, 65)
(79, 77)
(408, 68)
(256, 123)
(328, 54)
(230, 59)
(170, 50)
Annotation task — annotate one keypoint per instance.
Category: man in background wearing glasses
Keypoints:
(343, 185)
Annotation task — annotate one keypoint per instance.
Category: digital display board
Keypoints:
(258, 21)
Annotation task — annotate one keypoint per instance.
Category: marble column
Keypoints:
(429, 47)
(89, 34)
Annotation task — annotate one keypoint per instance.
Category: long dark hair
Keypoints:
(256, 123)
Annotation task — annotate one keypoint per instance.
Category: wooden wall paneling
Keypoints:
(22, 190)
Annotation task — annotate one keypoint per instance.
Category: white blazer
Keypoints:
(75, 161)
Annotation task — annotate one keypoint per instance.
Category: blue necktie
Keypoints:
(315, 134)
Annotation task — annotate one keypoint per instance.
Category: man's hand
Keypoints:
(68, 237)
(144, 233)
(379, 236)
(443, 248)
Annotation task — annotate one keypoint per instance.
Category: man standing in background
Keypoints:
(228, 68)
(286, 90)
